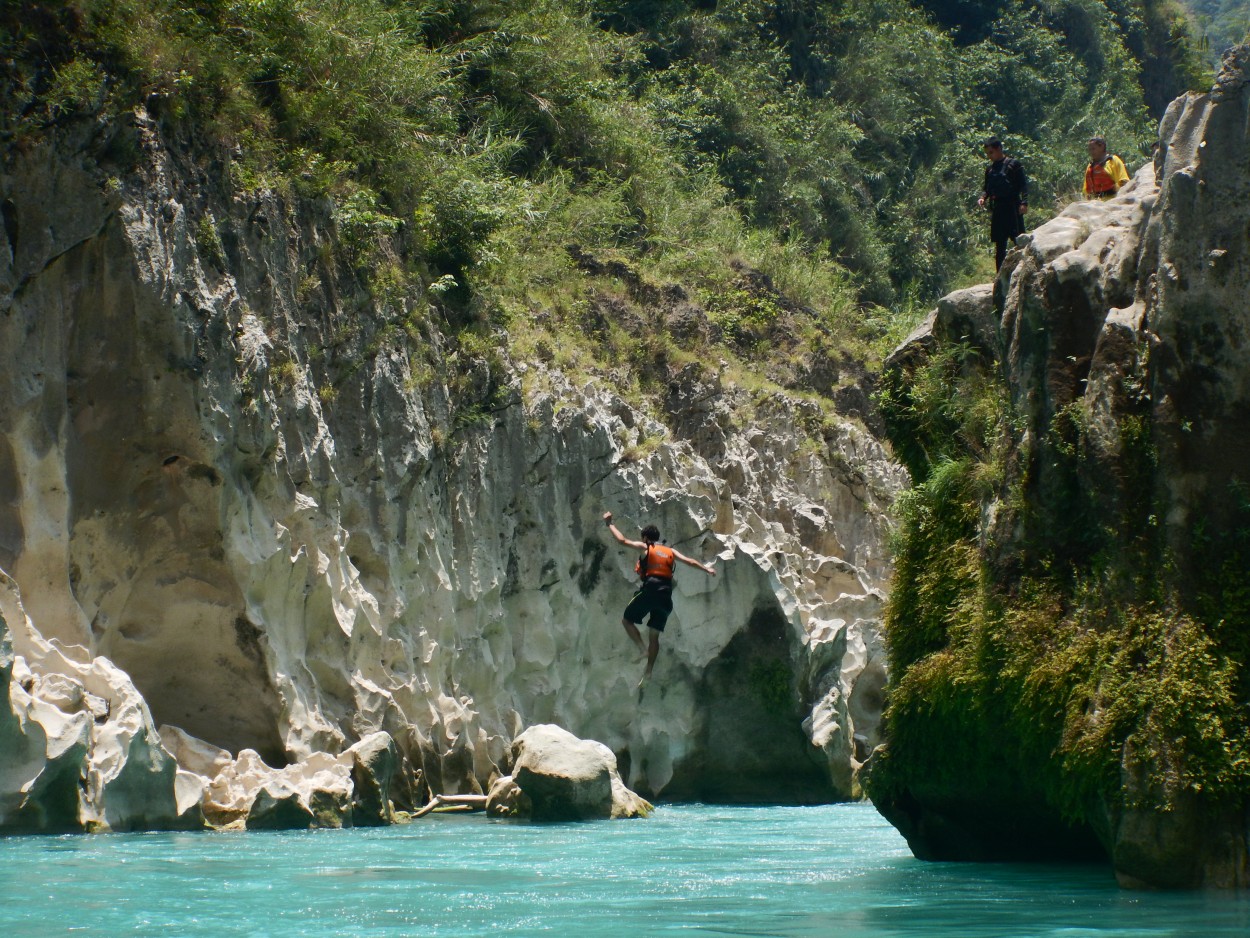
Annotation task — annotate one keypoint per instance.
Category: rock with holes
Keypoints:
(315, 792)
(569, 779)
(353, 788)
(506, 799)
(78, 747)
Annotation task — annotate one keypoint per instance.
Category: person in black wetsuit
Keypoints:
(654, 599)
(1006, 195)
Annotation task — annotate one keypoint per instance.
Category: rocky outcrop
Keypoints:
(1121, 337)
(350, 789)
(968, 316)
(564, 778)
(506, 799)
(228, 479)
(80, 748)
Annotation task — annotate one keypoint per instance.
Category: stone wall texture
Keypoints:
(232, 510)
(1136, 308)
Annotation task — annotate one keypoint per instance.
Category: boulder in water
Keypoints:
(506, 798)
(374, 761)
(78, 746)
(571, 779)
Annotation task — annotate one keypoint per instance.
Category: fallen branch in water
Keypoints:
(458, 802)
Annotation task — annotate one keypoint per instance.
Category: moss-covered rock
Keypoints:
(1066, 628)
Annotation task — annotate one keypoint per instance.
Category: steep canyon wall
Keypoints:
(244, 533)
(1082, 689)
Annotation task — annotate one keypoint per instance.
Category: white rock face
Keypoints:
(80, 749)
(569, 779)
(232, 494)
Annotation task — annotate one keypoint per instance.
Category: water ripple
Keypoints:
(696, 870)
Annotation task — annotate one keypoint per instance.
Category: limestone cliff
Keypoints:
(1069, 626)
(232, 509)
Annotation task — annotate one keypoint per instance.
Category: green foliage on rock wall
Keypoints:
(1043, 647)
(1031, 693)
(833, 147)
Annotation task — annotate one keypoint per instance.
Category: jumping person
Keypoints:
(1105, 173)
(1006, 194)
(655, 597)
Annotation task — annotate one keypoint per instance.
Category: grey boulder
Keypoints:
(570, 779)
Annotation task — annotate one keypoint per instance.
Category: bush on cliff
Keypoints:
(831, 147)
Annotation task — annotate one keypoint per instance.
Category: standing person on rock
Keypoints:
(655, 596)
(1006, 195)
(1105, 174)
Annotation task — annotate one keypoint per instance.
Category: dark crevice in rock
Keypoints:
(751, 748)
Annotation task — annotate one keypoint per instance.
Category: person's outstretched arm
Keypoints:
(706, 568)
(621, 538)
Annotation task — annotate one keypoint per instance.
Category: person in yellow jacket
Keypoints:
(1105, 173)
(654, 600)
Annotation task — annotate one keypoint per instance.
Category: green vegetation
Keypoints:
(631, 189)
(794, 175)
(1220, 23)
(771, 684)
(1042, 636)
(209, 241)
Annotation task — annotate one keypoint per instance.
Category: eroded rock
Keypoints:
(219, 481)
(80, 749)
(375, 762)
(506, 799)
(570, 779)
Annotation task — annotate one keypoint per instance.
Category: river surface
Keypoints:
(694, 870)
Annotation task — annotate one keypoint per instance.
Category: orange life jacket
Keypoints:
(1097, 180)
(658, 561)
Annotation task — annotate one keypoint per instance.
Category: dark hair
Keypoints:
(1100, 140)
(651, 534)
(992, 142)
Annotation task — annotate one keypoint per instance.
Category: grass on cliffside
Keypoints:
(790, 180)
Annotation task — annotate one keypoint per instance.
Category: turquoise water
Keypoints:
(699, 870)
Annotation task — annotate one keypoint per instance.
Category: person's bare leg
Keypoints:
(632, 631)
(653, 651)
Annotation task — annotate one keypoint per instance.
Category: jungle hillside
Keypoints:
(1219, 24)
(798, 179)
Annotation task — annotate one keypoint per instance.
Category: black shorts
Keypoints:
(654, 599)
